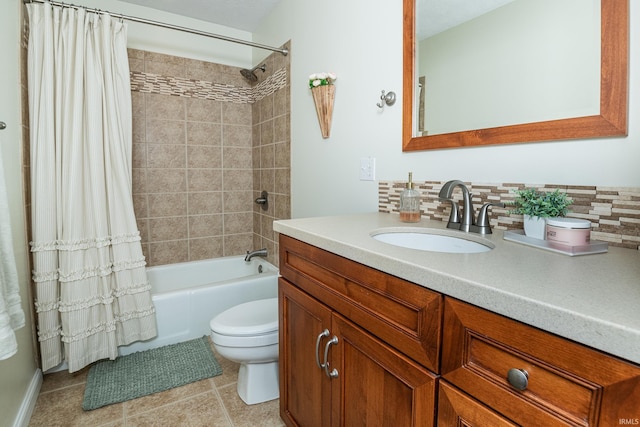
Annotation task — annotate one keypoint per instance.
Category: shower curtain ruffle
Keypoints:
(92, 292)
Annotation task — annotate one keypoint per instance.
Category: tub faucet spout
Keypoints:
(259, 252)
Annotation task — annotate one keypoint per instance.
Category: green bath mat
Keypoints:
(147, 372)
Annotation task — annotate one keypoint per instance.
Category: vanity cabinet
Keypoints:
(380, 346)
(405, 355)
(533, 377)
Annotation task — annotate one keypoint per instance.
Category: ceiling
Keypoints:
(243, 15)
(434, 16)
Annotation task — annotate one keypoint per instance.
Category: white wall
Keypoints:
(361, 41)
(18, 374)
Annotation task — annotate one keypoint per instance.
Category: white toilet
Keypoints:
(248, 334)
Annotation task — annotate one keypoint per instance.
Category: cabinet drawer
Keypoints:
(405, 315)
(565, 383)
(457, 409)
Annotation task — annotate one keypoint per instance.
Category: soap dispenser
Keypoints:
(410, 203)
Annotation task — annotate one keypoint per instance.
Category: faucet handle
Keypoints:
(482, 224)
(454, 216)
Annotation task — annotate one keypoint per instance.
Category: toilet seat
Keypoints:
(252, 323)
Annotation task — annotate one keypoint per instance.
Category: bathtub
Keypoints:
(188, 295)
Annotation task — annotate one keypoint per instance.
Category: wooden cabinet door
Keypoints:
(375, 384)
(305, 392)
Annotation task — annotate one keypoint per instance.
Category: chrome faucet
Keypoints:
(467, 207)
(468, 223)
(259, 252)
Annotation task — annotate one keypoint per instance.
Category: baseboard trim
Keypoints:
(29, 401)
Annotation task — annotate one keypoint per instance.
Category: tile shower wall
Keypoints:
(614, 212)
(206, 143)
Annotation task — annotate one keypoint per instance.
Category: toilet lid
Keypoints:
(250, 318)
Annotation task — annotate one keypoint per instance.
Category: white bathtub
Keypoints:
(188, 295)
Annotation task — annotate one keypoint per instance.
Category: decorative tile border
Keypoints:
(177, 86)
(614, 212)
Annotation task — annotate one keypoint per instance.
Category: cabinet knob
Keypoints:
(518, 378)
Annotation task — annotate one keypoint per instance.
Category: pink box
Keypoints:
(569, 231)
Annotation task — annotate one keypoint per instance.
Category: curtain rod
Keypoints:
(164, 25)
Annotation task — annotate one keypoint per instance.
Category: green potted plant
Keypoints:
(536, 206)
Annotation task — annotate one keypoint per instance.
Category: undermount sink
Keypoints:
(433, 240)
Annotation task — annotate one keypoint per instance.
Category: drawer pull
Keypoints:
(518, 378)
(323, 334)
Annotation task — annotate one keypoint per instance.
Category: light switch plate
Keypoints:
(367, 169)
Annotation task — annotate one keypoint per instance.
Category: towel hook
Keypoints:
(389, 98)
(3, 125)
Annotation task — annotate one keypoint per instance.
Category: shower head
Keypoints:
(250, 74)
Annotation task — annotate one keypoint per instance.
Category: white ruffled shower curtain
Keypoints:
(92, 292)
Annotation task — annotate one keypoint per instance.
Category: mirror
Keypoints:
(609, 119)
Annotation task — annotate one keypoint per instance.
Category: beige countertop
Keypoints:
(592, 299)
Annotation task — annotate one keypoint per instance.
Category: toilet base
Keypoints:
(258, 382)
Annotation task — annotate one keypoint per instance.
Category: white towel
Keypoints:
(11, 314)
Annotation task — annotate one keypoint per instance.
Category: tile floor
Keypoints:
(210, 402)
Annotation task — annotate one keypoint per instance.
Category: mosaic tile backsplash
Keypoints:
(614, 212)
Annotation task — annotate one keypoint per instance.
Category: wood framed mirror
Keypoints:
(611, 120)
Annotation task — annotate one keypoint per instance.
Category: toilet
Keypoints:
(248, 334)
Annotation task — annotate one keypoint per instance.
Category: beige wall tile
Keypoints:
(204, 179)
(168, 252)
(238, 201)
(139, 155)
(234, 179)
(204, 133)
(165, 107)
(236, 114)
(266, 133)
(237, 157)
(282, 155)
(168, 228)
(204, 110)
(267, 180)
(167, 204)
(237, 135)
(282, 181)
(165, 131)
(238, 244)
(204, 203)
(166, 156)
(281, 128)
(140, 205)
(267, 156)
(266, 108)
(139, 180)
(206, 247)
(238, 222)
(204, 157)
(166, 180)
(205, 225)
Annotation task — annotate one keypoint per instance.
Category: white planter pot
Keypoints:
(535, 226)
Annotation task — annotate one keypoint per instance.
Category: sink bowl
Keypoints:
(433, 240)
